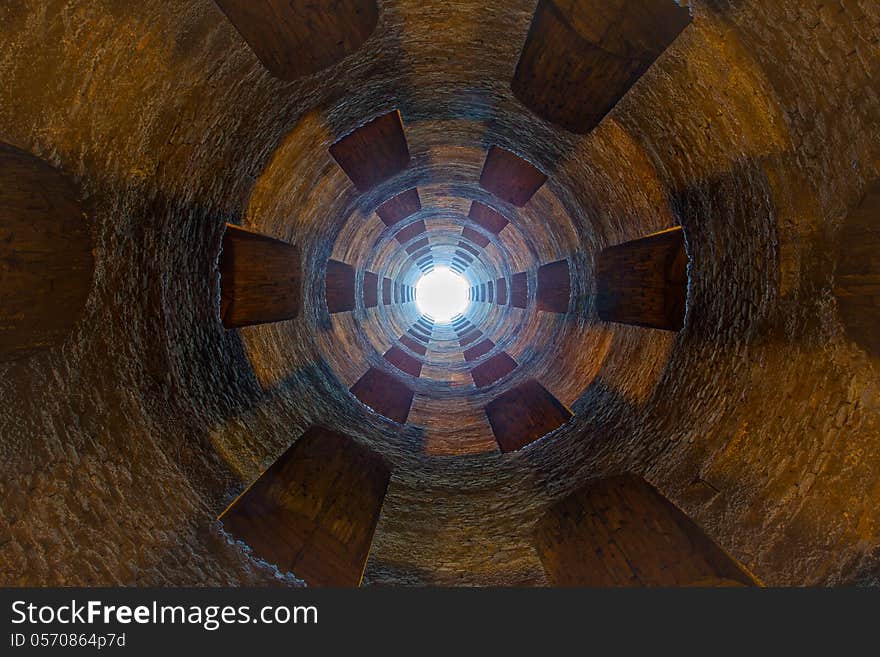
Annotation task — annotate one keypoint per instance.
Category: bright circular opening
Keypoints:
(442, 294)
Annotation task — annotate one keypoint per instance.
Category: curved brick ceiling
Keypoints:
(755, 409)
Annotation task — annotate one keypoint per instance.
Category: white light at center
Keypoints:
(442, 294)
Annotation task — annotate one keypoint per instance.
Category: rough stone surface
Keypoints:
(758, 131)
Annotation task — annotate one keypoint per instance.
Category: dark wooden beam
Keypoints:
(554, 287)
(492, 220)
(525, 414)
(374, 152)
(480, 349)
(413, 230)
(580, 58)
(340, 286)
(46, 261)
(519, 290)
(385, 394)
(371, 289)
(475, 236)
(493, 369)
(501, 291)
(294, 39)
(644, 282)
(403, 361)
(413, 345)
(857, 276)
(619, 531)
(315, 510)
(259, 278)
(510, 177)
(399, 207)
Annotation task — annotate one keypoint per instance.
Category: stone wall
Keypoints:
(758, 131)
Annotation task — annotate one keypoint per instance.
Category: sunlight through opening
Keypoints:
(442, 294)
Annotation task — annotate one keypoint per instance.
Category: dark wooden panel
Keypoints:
(501, 291)
(490, 219)
(644, 282)
(259, 278)
(386, 291)
(524, 414)
(412, 344)
(371, 289)
(293, 39)
(403, 361)
(580, 59)
(315, 510)
(497, 367)
(480, 349)
(554, 287)
(475, 236)
(619, 531)
(340, 286)
(411, 231)
(385, 394)
(399, 207)
(469, 336)
(519, 290)
(510, 177)
(46, 262)
(374, 152)
(857, 277)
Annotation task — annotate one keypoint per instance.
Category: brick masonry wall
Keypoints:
(758, 131)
